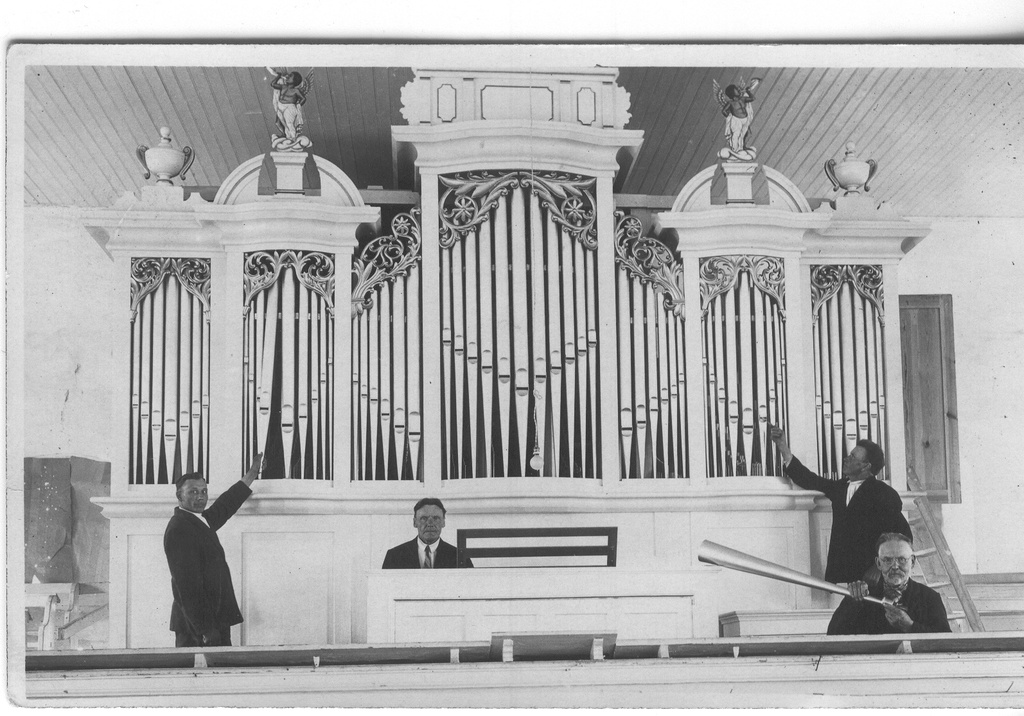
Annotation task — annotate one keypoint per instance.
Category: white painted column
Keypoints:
(695, 380)
(431, 335)
(608, 427)
(226, 374)
(800, 361)
(896, 454)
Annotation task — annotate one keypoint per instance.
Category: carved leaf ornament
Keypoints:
(719, 274)
(385, 259)
(314, 269)
(649, 261)
(470, 197)
(826, 281)
(148, 273)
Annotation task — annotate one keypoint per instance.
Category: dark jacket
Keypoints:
(923, 604)
(200, 579)
(875, 508)
(406, 556)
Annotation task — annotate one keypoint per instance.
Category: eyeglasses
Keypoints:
(889, 561)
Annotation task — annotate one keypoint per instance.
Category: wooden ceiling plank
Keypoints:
(353, 109)
(209, 87)
(794, 109)
(58, 169)
(924, 155)
(50, 174)
(806, 152)
(340, 138)
(256, 96)
(1011, 113)
(992, 106)
(381, 86)
(232, 84)
(180, 86)
(106, 125)
(371, 173)
(895, 132)
(823, 102)
(68, 137)
(671, 124)
(651, 157)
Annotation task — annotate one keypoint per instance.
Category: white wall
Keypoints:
(68, 362)
(981, 263)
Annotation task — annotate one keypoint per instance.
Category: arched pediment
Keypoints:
(242, 185)
(783, 194)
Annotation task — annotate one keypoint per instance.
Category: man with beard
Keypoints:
(863, 507)
(427, 550)
(909, 606)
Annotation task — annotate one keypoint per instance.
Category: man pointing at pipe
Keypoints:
(863, 508)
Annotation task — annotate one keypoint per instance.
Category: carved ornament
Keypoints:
(719, 274)
(385, 259)
(826, 281)
(314, 269)
(148, 273)
(649, 260)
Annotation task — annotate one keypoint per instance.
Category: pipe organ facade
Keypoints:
(513, 325)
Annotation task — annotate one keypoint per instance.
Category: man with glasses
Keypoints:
(427, 550)
(908, 606)
(863, 507)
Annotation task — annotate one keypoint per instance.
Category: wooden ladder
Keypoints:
(934, 557)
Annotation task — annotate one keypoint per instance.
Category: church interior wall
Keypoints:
(979, 262)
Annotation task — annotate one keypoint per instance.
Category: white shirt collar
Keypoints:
(852, 488)
(421, 546)
(195, 514)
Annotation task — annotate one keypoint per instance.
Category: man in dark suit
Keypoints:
(204, 607)
(428, 550)
(908, 606)
(863, 508)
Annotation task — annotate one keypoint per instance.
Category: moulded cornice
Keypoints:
(872, 240)
(739, 229)
(212, 227)
(493, 144)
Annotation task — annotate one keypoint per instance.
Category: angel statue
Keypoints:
(290, 92)
(736, 103)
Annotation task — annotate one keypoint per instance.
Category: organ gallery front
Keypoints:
(517, 344)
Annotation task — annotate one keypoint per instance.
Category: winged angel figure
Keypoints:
(736, 103)
(290, 92)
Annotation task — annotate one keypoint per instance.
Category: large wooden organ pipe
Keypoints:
(288, 364)
(386, 400)
(170, 367)
(849, 360)
(743, 314)
(651, 384)
(519, 327)
(712, 553)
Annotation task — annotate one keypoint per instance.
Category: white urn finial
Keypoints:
(851, 175)
(164, 160)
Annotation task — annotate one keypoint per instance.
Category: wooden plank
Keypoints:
(551, 646)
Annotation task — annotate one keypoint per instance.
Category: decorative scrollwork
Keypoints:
(314, 270)
(470, 197)
(385, 259)
(148, 273)
(719, 274)
(826, 280)
(649, 261)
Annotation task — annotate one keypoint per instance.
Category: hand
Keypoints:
(858, 590)
(778, 436)
(255, 469)
(897, 617)
(211, 637)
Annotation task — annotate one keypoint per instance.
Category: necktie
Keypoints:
(427, 563)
